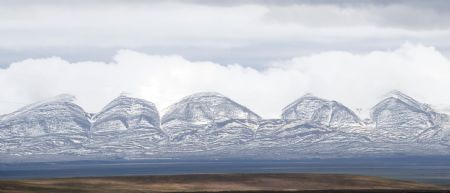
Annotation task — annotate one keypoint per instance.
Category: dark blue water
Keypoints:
(429, 170)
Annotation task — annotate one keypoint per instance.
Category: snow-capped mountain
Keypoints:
(206, 125)
(125, 113)
(312, 124)
(55, 125)
(207, 107)
(209, 119)
(315, 110)
(125, 124)
(57, 115)
(400, 118)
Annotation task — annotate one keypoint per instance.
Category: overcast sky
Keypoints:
(263, 54)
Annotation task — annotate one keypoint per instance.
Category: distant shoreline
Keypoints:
(298, 182)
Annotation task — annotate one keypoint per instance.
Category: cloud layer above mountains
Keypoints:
(357, 80)
(251, 33)
(263, 54)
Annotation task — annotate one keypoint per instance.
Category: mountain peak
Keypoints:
(61, 98)
(124, 113)
(307, 96)
(404, 117)
(205, 94)
(205, 107)
(128, 103)
(397, 95)
(401, 96)
(56, 115)
(128, 97)
(56, 99)
(310, 108)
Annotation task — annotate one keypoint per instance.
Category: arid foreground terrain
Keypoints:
(218, 183)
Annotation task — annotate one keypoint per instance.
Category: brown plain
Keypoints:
(218, 183)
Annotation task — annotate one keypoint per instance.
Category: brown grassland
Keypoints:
(218, 183)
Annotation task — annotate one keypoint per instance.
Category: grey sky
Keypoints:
(251, 33)
(252, 51)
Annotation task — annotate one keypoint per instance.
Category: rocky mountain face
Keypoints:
(314, 125)
(124, 124)
(124, 113)
(54, 126)
(400, 118)
(210, 125)
(320, 111)
(207, 107)
(209, 119)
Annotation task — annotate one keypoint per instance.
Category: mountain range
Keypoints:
(210, 126)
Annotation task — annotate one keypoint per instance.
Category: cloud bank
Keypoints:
(246, 32)
(357, 80)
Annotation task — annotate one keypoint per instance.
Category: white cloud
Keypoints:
(250, 33)
(357, 80)
(139, 24)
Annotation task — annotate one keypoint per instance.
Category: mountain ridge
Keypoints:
(212, 125)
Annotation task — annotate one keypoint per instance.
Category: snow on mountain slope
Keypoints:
(54, 116)
(315, 110)
(125, 113)
(443, 136)
(267, 127)
(309, 139)
(45, 126)
(400, 118)
(210, 124)
(207, 107)
(209, 119)
(312, 121)
(126, 125)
